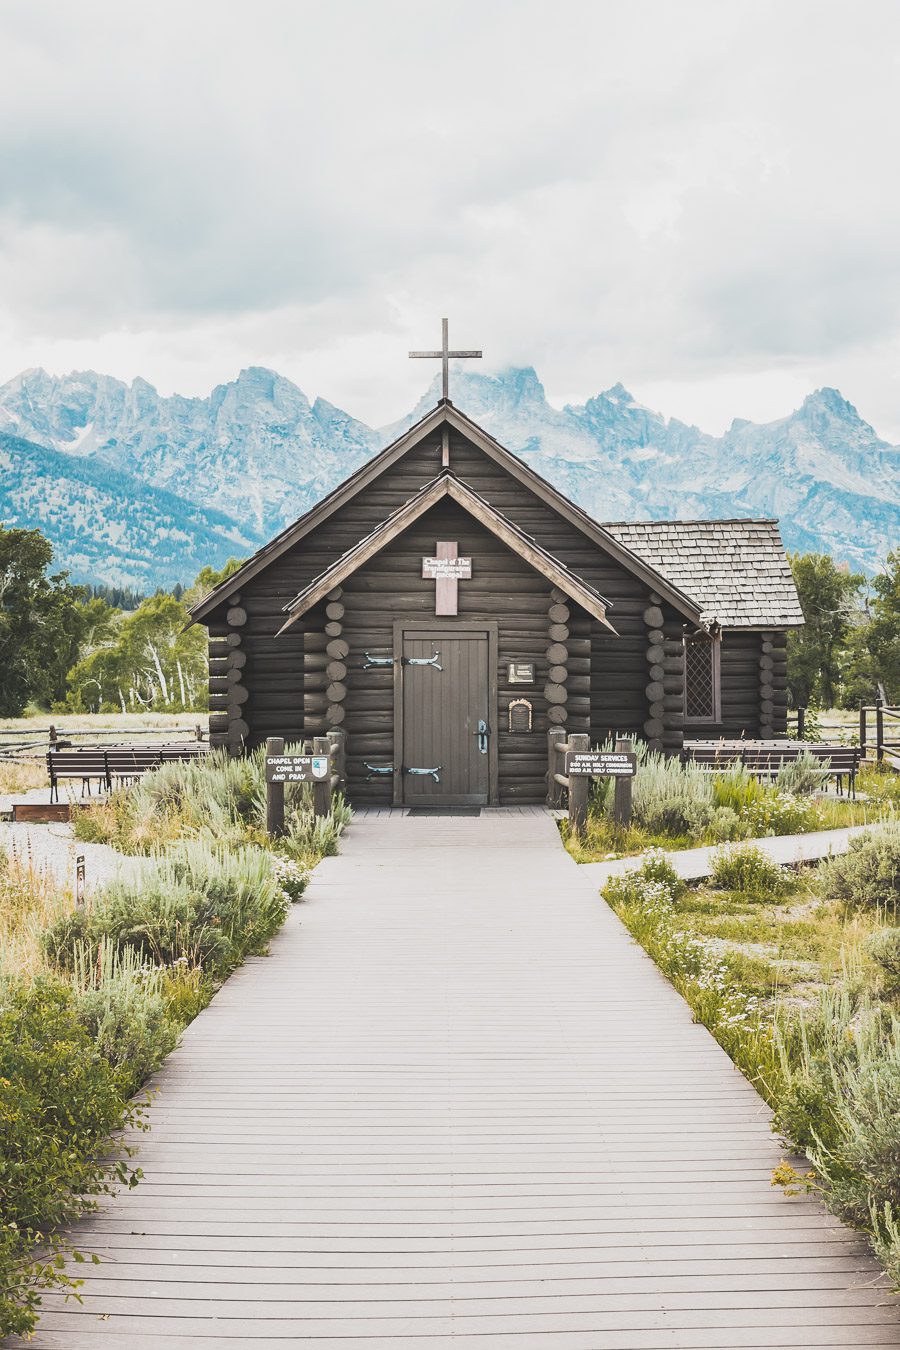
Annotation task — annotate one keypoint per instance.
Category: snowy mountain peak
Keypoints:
(256, 452)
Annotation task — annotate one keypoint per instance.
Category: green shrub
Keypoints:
(204, 905)
(840, 1100)
(884, 949)
(125, 1009)
(669, 797)
(803, 775)
(776, 812)
(292, 877)
(868, 1116)
(868, 874)
(725, 825)
(886, 1240)
(309, 835)
(160, 919)
(60, 1102)
(745, 868)
(736, 788)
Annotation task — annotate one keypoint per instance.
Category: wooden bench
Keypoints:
(114, 763)
(88, 765)
(127, 763)
(765, 758)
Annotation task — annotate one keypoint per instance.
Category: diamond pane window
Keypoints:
(701, 678)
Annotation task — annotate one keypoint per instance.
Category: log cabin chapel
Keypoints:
(445, 605)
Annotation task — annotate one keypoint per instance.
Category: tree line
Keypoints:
(71, 648)
(848, 651)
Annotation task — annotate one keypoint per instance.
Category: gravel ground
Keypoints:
(53, 848)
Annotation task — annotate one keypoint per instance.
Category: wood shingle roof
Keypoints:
(736, 570)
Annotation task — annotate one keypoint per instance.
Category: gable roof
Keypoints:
(736, 570)
(446, 485)
(445, 414)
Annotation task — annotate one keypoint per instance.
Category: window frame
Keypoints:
(714, 641)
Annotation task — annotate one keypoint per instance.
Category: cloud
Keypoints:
(694, 198)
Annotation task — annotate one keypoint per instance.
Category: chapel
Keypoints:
(445, 605)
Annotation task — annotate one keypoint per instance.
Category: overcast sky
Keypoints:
(700, 199)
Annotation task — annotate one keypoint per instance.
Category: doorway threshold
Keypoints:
(443, 811)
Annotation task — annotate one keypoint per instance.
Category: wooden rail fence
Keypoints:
(18, 743)
(878, 735)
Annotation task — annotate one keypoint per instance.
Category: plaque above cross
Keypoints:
(447, 570)
(444, 356)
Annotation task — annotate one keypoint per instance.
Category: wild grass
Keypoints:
(217, 798)
(22, 776)
(678, 806)
(802, 989)
(31, 900)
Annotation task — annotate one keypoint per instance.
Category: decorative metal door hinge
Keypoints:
(424, 773)
(424, 661)
(482, 733)
(377, 660)
(377, 769)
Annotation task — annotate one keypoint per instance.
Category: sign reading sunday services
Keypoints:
(601, 764)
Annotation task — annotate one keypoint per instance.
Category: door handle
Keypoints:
(482, 733)
(424, 773)
(424, 661)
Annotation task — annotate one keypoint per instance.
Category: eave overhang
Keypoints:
(439, 489)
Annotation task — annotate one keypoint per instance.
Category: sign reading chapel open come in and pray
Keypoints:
(296, 768)
(601, 764)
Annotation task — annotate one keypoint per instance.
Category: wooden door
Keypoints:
(446, 718)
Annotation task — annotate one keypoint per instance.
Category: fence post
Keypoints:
(275, 792)
(879, 730)
(322, 789)
(579, 785)
(338, 743)
(52, 737)
(554, 791)
(862, 730)
(801, 723)
(622, 801)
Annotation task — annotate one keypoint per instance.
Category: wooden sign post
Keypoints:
(303, 768)
(274, 791)
(79, 880)
(582, 764)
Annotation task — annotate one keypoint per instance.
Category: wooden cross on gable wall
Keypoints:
(447, 570)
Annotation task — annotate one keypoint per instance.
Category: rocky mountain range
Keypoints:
(137, 489)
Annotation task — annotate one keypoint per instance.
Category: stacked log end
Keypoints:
(556, 690)
(325, 671)
(228, 693)
(664, 726)
(579, 673)
(773, 685)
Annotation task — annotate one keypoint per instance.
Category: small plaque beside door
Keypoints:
(519, 714)
(520, 672)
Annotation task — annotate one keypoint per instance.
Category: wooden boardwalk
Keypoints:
(458, 1104)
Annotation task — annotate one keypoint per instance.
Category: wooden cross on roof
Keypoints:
(443, 356)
